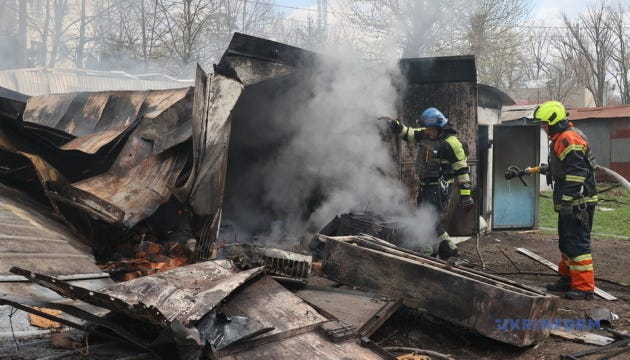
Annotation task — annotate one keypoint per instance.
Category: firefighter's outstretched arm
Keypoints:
(409, 134)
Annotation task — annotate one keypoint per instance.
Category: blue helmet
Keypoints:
(432, 117)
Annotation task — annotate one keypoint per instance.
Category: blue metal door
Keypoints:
(514, 205)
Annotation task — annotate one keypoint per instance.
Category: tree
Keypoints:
(492, 33)
(245, 16)
(588, 49)
(487, 29)
(416, 28)
(549, 66)
(619, 55)
(130, 34)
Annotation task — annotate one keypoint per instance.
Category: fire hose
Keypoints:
(513, 171)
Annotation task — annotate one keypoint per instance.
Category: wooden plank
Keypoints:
(463, 300)
(582, 337)
(599, 292)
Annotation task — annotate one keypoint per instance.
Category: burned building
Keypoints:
(155, 180)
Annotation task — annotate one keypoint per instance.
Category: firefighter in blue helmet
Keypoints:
(441, 159)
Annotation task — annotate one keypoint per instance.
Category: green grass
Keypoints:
(612, 215)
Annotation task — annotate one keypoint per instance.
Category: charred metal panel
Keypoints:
(186, 293)
(439, 69)
(251, 71)
(364, 311)
(449, 84)
(136, 311)
(11, 103)
(211, 135)
(214, 100)
(278, 263)
(165, 114)
(311, 345)
(129, 192)
(462, 296)
(159, 299)
(119, 174)
(264, 53)
(274, 306)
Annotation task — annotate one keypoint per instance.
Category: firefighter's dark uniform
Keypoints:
(571, 165)
(438, 163)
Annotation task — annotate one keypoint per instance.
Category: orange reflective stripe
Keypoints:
(586, 264)
(581, 272)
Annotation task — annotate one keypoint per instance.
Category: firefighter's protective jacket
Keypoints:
(443, 158)
(571, 164)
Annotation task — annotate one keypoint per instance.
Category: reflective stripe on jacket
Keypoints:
(446, 154)
(571, 165)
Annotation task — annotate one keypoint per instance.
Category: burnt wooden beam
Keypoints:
(469, 300)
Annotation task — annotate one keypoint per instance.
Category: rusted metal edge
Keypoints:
(137, 311)
(233, 349)
(599, 292)
(382, 315)
(30, 310)
(390, 306)
(83, 200)
(74, 277)
(27, 304)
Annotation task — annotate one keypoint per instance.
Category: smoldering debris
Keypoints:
(144, 177)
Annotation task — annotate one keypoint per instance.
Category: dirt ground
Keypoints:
(611, 266)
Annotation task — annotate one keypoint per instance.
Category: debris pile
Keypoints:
(135, 182)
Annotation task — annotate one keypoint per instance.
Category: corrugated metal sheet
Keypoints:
(161, 298)
(165, 114)
(606, 112)
(517, 112)
(42, 81)
(125, 160)
(137, 189)
(31, 236)
(32, 83)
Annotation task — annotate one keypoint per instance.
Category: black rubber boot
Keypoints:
(563, 284)
(445, 250)
(579, 295)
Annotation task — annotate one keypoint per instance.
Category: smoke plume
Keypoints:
(334, 159)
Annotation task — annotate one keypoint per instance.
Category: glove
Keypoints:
(395, 126)
(467, 202)
(565, 208)
(543, 169)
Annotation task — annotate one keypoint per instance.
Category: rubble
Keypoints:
(132, 186)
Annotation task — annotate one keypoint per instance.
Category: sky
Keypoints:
(550, 11)
(546, 11)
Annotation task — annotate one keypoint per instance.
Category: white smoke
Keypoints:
(337, 152)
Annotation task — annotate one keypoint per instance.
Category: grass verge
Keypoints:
(612, 215)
